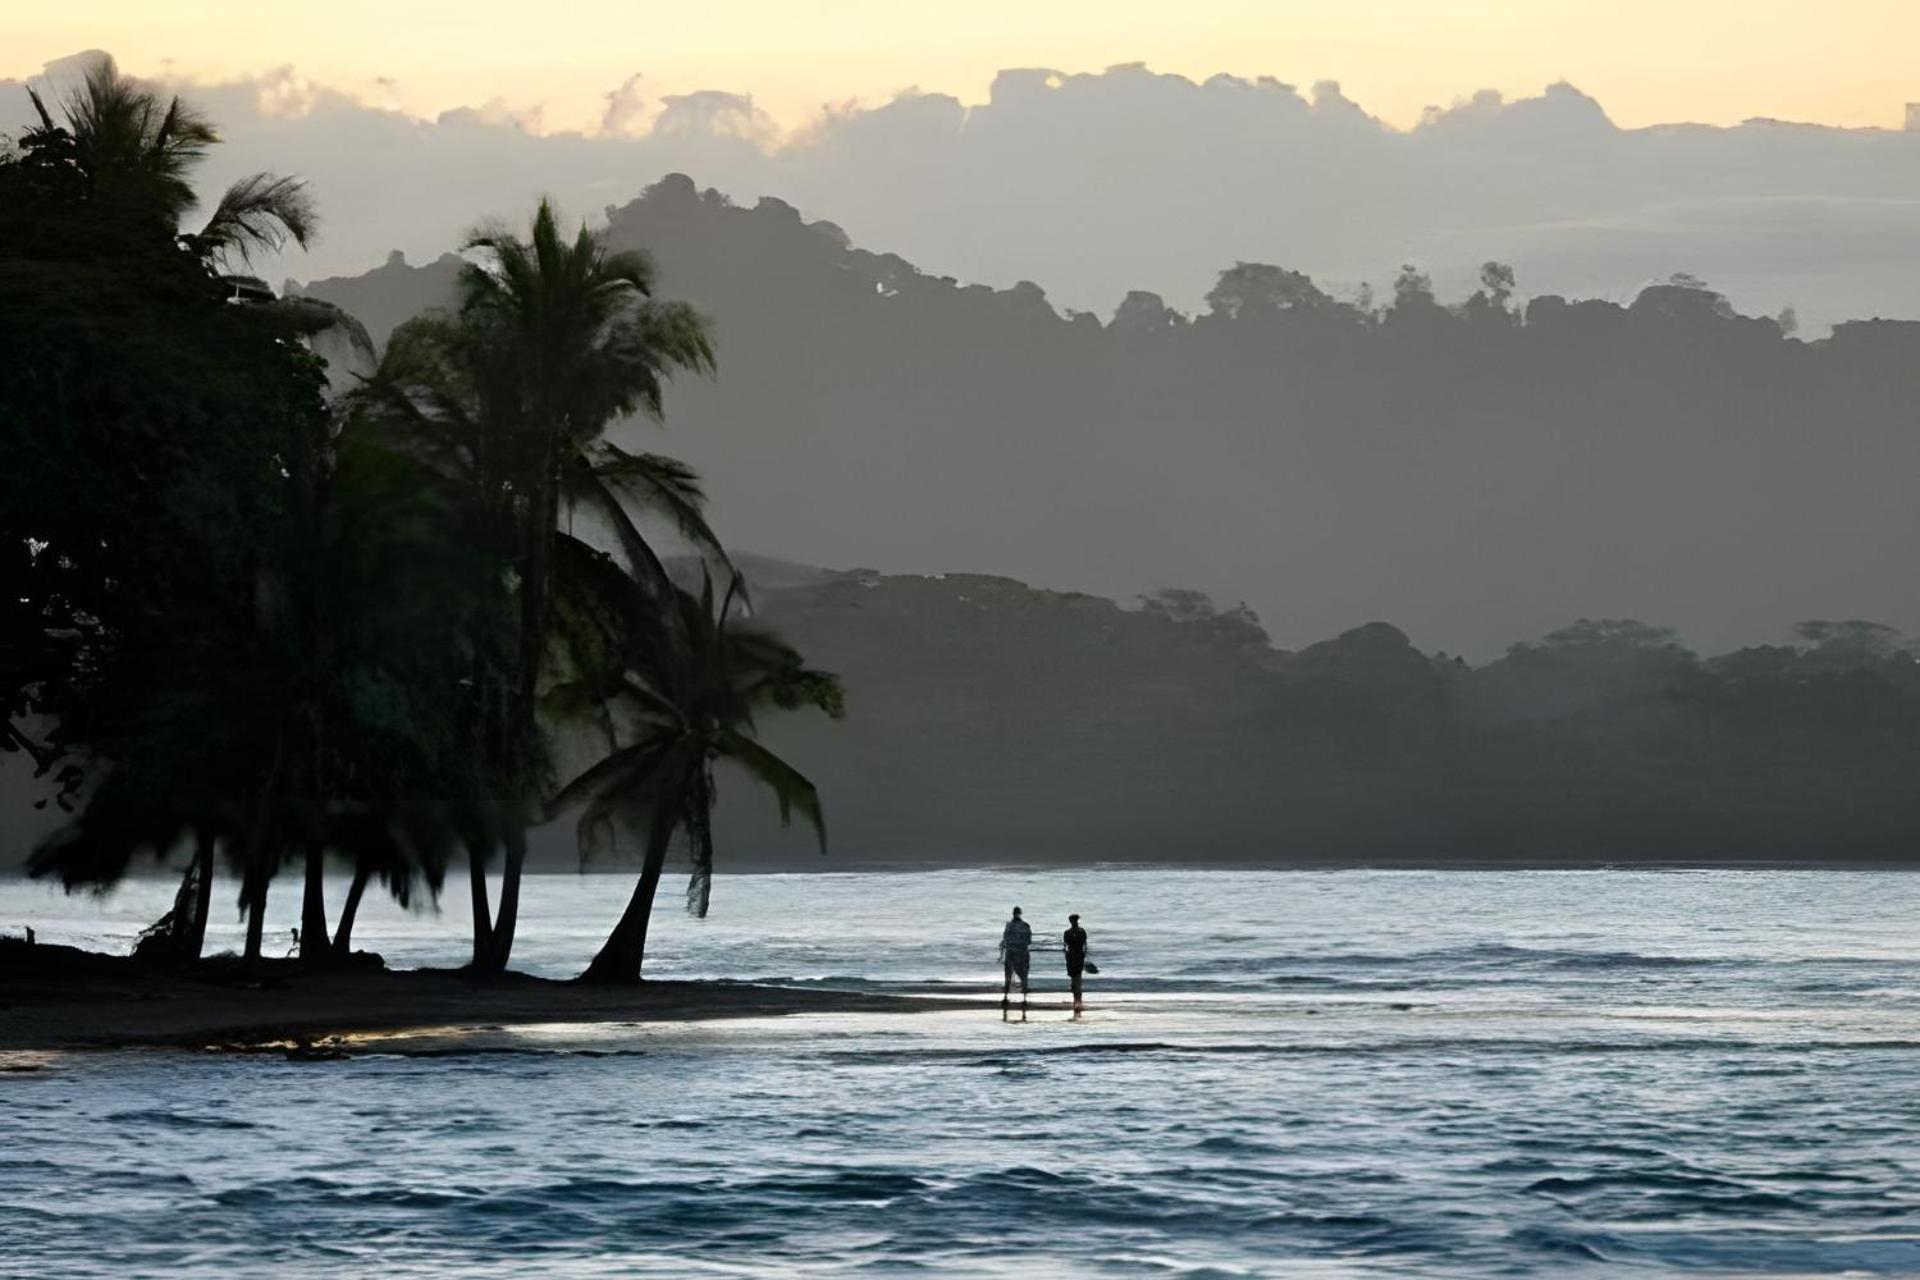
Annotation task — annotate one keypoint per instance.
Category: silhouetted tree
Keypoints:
(550, 343)
(1238, 627)
(1249, 290)
(1145, 313)
(691, 684)
(137, 149)
(206, 597)
(1492, 300)
(146, 423)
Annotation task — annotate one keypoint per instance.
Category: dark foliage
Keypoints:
(997, 722)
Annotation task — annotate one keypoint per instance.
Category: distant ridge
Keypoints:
(1476, 469)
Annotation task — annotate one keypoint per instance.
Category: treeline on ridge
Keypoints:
(1474, 469)
(994, 722)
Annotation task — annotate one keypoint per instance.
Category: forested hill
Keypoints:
(992, 722)
(1476, 471)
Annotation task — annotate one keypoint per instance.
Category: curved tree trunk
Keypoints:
(482, 913)
(700, 842)
(253, 899)
(343, 934)
(196, 937)
(536, 592)
(315, 948)
(507, 919)
(164, 941)
(255, 877)
(620, 956)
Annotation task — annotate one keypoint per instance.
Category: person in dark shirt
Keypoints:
(1074, 941)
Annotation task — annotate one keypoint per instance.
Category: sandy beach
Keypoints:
(59, 998)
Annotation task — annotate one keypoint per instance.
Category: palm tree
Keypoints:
(376, 624)
(551, 342)
(689, 686)
(140, 148)
(249, 711)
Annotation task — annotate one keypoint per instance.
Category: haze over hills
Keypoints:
(991, 722)
(1094, 183)
(1475, 473)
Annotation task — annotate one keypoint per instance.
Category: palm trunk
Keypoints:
(508, 919)
(700, 843)
(343, 935)
(535, 596)
(536, 587)
(196, 937)
(254, 902)
(620, 956)
(535, 590)
(482, 913)
(314, 947)
(164, 941)
(255, 876)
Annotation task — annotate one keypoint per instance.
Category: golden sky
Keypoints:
(1848, 62)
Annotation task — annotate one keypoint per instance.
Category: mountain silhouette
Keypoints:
(1475, 471)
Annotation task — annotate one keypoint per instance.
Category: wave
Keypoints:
(178, 1120)
(1577, 1246)
(1478, 954)
(1657, 1193)
(1410, 1046)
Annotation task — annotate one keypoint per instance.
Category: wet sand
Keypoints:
(57, 998)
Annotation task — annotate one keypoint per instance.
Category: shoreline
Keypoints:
(64, 999)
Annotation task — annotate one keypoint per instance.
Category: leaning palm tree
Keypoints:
(688, 690)
(551, 342)
(140, 147)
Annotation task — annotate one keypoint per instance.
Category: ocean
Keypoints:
(1323, 1074)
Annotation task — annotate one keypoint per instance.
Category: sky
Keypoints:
(1844, 62)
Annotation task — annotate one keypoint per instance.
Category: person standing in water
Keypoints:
(1016, 941)
(1074, 942)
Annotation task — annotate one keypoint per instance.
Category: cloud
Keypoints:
(712, 113)
(626, 112)
(496, 113)
(1094, 184)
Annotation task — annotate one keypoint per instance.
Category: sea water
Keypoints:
(1355, 1073)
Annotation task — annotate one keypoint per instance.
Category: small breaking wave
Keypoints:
(178, 1120)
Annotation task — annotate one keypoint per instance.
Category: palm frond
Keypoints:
(789, 786)
(130, 144)
(40, 109)
(259, 214)
(624, 770)
(642, 785)
(659, 483)
(700, 882)
(312, 317)
(586, 489)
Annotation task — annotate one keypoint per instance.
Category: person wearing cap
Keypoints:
(1016, 941)
(1074, 943)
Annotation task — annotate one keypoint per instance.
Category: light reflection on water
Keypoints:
(1341, 1073)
